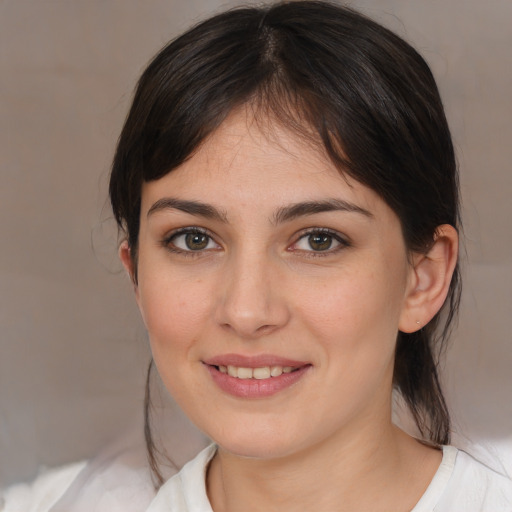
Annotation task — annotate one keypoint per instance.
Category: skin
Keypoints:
(260, 287)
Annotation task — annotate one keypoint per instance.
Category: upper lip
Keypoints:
(257, 361)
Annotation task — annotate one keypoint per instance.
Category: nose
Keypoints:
(251, 301)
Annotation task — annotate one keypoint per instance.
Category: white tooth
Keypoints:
(261, 373)
(275, 371)
(232, 371)
(244, 373)
(287, 369)
(223, 369)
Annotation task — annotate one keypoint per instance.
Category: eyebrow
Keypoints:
(293, 211)
(192, 207)
(283, 214)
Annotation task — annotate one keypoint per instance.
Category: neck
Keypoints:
(373, 469)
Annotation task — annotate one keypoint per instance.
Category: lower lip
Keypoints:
(255, 388)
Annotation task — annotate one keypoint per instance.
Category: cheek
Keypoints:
(356, 313)
(347, 302)
(174, 314)
(173, 310)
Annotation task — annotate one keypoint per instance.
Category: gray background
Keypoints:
(72, 349)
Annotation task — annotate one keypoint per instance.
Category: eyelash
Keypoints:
(168, 242)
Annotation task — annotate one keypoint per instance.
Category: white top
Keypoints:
(461, 484)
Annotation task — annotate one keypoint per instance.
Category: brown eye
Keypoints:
(196, 241)
(191, 240)
(320, 241)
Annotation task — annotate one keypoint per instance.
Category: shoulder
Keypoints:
(464, 483)
(186, 491)
(475, 484)
(43, 493)
(117, 479)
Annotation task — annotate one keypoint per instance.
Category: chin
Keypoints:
(264, 443)
(258, 450)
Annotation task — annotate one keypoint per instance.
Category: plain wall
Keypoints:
(72, 348)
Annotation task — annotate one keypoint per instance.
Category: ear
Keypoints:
(125, 256)
(430, 279)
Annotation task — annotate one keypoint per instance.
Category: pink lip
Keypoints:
(254, 388)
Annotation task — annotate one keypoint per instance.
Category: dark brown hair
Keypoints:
(335, 77)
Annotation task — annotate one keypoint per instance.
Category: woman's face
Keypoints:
(257, 258)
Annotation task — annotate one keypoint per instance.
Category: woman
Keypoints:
(288, 189)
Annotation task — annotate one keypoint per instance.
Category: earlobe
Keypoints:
(430, 279)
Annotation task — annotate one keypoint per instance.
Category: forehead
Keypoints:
(255, 160)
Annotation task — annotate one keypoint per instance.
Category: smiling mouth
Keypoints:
(263, 372)
(253, 380)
